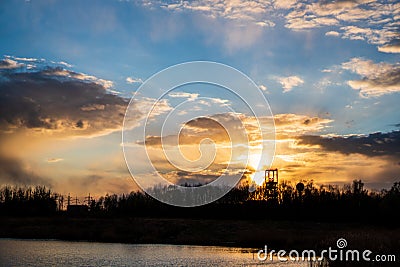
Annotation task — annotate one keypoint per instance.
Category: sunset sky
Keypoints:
(330, 71)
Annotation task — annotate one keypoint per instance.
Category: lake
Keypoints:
(17, 252)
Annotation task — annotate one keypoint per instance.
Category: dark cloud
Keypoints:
(396, 125)
(376, 144)
(61, 101)
(13, 171)
(51, 102)
(196, 178)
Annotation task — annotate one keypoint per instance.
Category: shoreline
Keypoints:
(243, 249)
(202, 232)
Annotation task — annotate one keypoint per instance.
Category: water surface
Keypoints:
(16, 252)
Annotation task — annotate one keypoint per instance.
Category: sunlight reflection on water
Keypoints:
(15, 252)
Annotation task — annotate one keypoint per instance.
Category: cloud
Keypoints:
(220, 101)
(13, 171)
(255, 12)
(373, 145)
(48, 110)
(284, 4)
(377, 78)
(61, 73)
(196, 130)
(63, 63)
(28, 59)
(93, 107)
(241, 23)
(59, 103)
(189, 96)
(389, 48)
(238, 136)
(339, 159)
(204, 146)
(368, 20)
(54, 160)
(28, 63)
(299, 155)
(51, 68)
(376, 36)
(332, 33)
(160, 107)
(131, 80)
(263, 87)
(289, 82)
(9, 64)
(234, 24)
(297, 124)
(265, 23)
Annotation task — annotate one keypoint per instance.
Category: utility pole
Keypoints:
(61, 202)
(88, 199)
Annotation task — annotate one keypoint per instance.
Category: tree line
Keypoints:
(303, 201)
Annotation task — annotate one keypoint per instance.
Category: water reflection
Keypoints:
(62, 253)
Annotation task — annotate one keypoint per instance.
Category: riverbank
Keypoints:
(239, 233)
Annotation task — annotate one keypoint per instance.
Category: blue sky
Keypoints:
(335, 61)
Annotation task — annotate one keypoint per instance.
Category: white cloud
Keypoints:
(190, 96)
(394, 48)
(377, 78)
(54, 160)
(332, 33)
(223, 102)
(247, 11)
(265, 23)
(131, 80)
(25, 59)
(107, 84)
(289, 82)
(9, 64)
(65, 64)
(263, 87)
(158, 107)
(284, 4)
(232, 23)
(373, 21)
(373, 36)
(327, 70)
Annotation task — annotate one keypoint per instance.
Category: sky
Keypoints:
(329, 71)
